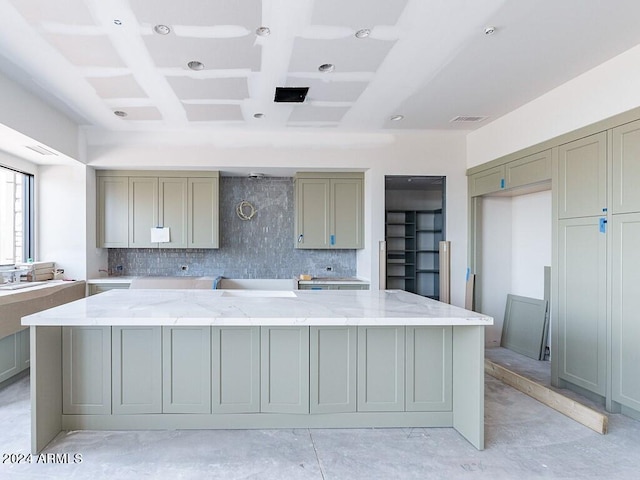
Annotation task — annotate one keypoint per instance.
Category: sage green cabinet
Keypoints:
(86, 370)
(626, 168)
(625, 232)
(381, 369)
(429, 369)
(582, 177)
(284, 369)
(24, 340)
(487, 181)
(332, 369)
(143, 210)
(186, 369)
(137, 370)
(113, 212)
(528, 170)
(184, 202)
(9, 356)
(582, 303)
(235, 359)
(95, 288)
(329, 210)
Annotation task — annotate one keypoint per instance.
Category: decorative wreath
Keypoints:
(245, 210)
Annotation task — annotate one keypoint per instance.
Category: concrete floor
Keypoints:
(524, 440)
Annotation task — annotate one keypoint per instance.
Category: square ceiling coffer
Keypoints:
(291, 94)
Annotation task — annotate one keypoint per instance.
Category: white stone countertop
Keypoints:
(107, 280)
(256, 308)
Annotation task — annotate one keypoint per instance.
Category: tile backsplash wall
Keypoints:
(258, 248)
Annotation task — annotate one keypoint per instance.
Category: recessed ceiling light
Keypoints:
(363, 33)
(258, 115)
(263, 31)
(327, 67)
(162, 29)
(120, 113)
(490, 30)
(195, 65)
(396, 118)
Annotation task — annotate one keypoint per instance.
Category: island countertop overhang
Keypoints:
(256, 308)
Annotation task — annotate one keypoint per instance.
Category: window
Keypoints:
(16, 216)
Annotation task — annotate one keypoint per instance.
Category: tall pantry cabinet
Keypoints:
(598, 265)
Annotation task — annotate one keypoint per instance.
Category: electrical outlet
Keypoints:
(329, 268)
(184, 268)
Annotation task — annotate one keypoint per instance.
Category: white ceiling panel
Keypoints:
(124, 86)
(347, 54)
(209, 88)
(357, 13)
(140, 114)
(70, 12)
(327, 91)
(213, 113)
(308, 113)
(221, 53)
(86, 50)
(199, 12)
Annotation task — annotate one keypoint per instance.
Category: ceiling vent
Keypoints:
(467, 118)
(290, 94)
(41, 150)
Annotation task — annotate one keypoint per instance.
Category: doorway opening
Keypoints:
(414, 227)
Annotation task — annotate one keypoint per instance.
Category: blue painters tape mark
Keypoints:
(502, 183)
(468, 274)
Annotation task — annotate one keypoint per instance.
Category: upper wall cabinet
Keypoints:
(528, 170)
(582, 177)
(487, 181)
(626, 168)
(130, 204)
(329, 210)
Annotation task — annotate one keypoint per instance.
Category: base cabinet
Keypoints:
(285, 369)
(235, 367)
(137, 370)
(10, 357)
(86, 370)
(429, 369)
(332, 372)
(186, 369)
(381, 365)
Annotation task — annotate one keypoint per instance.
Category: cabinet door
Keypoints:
(25, 348)
(9, 356)
(625, 308)
(113, 212)
(381, 369)
(626, 168)
(487, 181)
(312, 213)
(332, 369)
(347, 224)
(172, 210)
(137, 370)
(429, 369)
(528, 170)
(186, 369)
(235, 369)
(203, 213)
(143, 210)
(285, 369)
(86, 370)
(582, 177)
(582, 300)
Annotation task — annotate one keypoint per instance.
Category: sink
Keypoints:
(259, 293)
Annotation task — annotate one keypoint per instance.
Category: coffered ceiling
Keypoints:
(104, 63)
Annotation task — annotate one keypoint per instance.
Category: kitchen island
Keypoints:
(207, 359)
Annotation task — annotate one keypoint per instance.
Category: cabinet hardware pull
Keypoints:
(300, 238)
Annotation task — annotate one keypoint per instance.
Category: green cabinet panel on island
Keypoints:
(329, 210)
(235, 356)
(131, 203)
(14, 354)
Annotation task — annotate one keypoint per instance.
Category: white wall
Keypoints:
(516, 246)
(606, 90)
(427, 153)
(62, 213)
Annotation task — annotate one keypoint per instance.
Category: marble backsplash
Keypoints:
(258, 248)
